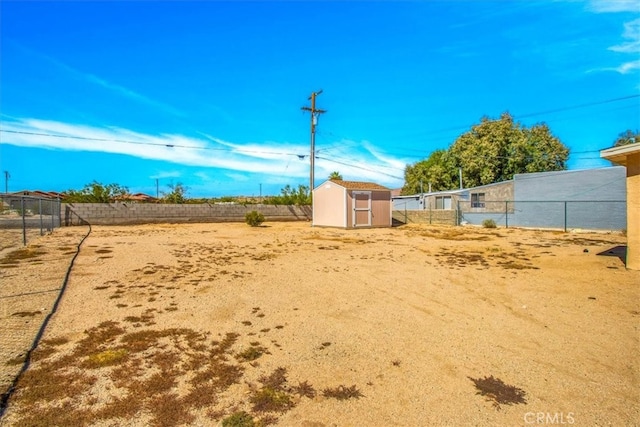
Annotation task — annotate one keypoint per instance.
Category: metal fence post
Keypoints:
(24, 222)
(41, 219)
(506, 214)
(565, 216)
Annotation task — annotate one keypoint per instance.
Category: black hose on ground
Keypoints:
(27, 360)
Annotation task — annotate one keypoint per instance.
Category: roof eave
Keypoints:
(620, 154)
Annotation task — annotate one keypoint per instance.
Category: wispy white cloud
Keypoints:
(628, 67)
(166, 174)
(237, 161)
(99, 81)
(238, 177)
(632, 35)
(610, 6)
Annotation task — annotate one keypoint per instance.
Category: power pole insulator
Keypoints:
(315, 112)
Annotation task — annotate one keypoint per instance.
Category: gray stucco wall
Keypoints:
(144, 213)
(595, 199)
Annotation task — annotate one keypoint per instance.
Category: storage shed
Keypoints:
(351, 204)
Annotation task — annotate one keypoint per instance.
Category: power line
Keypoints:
(575, 107)
(156, 144)
(358, 167)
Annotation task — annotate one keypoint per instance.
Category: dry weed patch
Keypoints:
(498, 392)
(30, 253)
(450, 233)
(342, 392)
(142, 370)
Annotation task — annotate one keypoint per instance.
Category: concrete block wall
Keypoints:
(144, 213)
(436, 216)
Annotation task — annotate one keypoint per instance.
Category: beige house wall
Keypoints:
(495, 196)
(633, 211)
(629, 156)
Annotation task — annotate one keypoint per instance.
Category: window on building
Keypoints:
(443, 202)
(477, 200)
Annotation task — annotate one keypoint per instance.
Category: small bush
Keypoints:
(489, 223)
(270, 400)
(254, 218)
(239, 419)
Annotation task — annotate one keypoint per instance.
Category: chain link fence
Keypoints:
(565, 215)
(610, 215)
(23, 218)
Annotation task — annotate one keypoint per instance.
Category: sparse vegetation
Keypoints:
(251, 353)
(106, 358)
(268, 399)
(239, 419)
(254, 218)
(489, 223)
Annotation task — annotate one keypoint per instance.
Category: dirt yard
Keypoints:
(285, 324)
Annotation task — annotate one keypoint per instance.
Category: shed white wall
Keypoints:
(329, 209)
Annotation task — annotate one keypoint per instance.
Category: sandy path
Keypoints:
(409, 316)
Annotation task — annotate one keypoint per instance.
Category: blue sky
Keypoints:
(209, 93)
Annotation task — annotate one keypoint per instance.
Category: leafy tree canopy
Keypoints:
(627, 137)
(492, 151)
(96, 192)
(438, 172)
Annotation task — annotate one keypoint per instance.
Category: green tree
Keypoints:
(96, 192)
(335, 175)
(627, 137)
(492, 151)
(176, 195)
(290, 196)
(438, 170)
(495, 150)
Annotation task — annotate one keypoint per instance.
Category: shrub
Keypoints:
(238, 419)
(489, 223)
(254, 218)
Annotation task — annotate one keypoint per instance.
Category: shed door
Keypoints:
(361, 208)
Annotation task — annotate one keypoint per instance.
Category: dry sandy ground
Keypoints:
(301, 326)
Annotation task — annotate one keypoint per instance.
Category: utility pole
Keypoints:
(157, 189)
(315, 112)
(7, 175)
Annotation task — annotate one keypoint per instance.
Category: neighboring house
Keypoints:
(588, 199)
(442, 207)
(629, 157)
(39, 194)
(138, 197)
(351, 204)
